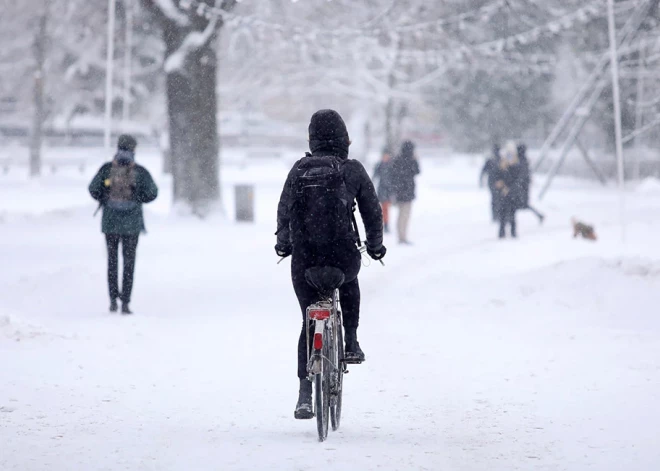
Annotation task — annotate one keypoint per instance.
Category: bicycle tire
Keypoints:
(335, 412)
(322, 391)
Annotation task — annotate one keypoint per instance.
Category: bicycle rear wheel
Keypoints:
(338, 374)
(322, 390)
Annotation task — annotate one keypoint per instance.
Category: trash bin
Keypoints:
(244, 203)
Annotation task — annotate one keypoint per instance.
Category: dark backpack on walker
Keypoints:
(121, 192)
(321, 209)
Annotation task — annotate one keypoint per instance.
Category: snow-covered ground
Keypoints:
(541, 353)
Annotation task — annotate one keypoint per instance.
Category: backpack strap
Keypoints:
(355, 225)
(341, 163)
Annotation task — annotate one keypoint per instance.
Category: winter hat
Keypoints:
(407, 149)
(125, 149)
(511, 152)
(126, 142)
(327, 131)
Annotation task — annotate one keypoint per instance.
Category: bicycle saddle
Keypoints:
(324, 279)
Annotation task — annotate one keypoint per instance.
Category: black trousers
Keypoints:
(495, 204)
(129, 250)
(343, 255)
(507, 216)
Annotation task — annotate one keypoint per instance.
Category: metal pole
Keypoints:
(108, 74)
(128, 56)
(614, 63)
(628, 29)
(592, 165)
(573, 135)
(639, 109)
(570, 112)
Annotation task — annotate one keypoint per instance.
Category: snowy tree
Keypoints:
(53, 62)
(191, 68)
(410, 57)
(25, 38)
(589, 45)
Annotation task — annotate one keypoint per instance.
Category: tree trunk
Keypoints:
(395, 112)
(390, 107)
(192, 105)
(389, 125)
(38, 96)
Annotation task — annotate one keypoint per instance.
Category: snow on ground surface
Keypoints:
(536, 354)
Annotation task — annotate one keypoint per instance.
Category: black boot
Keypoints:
(125, 309)
(352, 353)
(304, 406)
(113, 305)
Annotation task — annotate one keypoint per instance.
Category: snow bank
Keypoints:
(638, 267)
(13, 328)
(649, 185)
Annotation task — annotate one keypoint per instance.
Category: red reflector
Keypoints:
(318, 341)
(319, 314)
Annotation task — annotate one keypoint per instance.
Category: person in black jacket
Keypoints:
(509, 186)
(383, 188)
(121, 187)
(490, 170)
(404, 169)
(328, 140)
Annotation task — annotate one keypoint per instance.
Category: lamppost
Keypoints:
(614, 65)
(128, 56)
(108, 73)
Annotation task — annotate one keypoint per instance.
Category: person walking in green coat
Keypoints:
(121, 187)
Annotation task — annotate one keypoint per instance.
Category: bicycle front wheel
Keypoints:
(322, 387)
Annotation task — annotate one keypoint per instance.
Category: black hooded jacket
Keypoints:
(490, 169)
(404, 169)
(360, 188)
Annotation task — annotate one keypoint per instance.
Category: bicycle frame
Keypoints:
(321, 321)
(325, 364)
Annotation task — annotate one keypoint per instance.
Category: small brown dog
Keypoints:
(585, 230)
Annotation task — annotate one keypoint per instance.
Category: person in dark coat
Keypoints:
(509, 186)
(490, 170)
(328, 138)
(526, 180)
(383, 187)
(404, 169)
(121, 187)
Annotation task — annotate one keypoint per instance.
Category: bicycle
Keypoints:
(325, 348)
(326, 363)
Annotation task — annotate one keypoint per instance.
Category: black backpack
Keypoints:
(321, 209)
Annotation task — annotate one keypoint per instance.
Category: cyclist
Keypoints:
(330, 240)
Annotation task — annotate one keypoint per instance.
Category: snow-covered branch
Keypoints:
(192, 42)
(170, 10)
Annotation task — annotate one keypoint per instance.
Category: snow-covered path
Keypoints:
(540, 353)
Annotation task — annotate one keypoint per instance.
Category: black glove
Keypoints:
(376, 253)
(283, 250)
